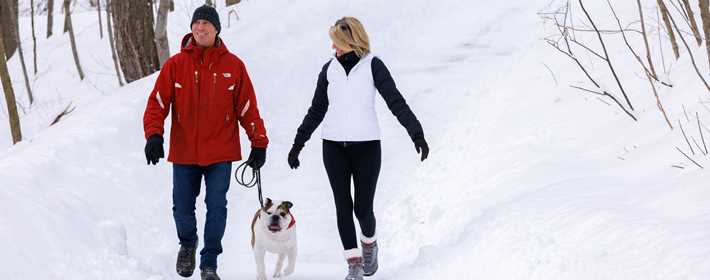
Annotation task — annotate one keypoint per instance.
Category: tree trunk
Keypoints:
(705, 16)
(693, 24)
(645, 41)
(109, 27)
(135, 39)
(50, 18)
(101, 27)
(161, 34)
(70, 28)
(66, 10)
(8, 21)
(13, 116)
(231, 2)
(16, 34)
(34, 36)
(172, 5)
(669, 27)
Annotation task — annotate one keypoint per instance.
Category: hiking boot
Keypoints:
(369, 256)
(186, 261)
(355, 269)
(209, 273)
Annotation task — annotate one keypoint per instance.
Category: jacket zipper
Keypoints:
(197, 115)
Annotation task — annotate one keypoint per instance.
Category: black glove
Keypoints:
(293, 156)
(154, 149)
(422, 147)
(257, 158)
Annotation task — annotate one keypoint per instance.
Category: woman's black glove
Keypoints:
(422, 147)
(154, 149)
(293, 156)
(257, 158)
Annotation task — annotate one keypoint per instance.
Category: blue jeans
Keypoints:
(187, 180)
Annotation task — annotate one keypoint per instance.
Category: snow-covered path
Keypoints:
(522, 182)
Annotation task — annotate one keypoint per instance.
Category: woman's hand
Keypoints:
(422, 147)
(293, 156)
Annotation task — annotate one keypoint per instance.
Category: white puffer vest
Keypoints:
(351, 112)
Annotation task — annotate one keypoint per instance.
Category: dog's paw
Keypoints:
(261, 277)
(288, 271)
(277, 274)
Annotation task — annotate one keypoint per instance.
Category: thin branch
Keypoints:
(690, 53)
(658, 101)
(689, 158)
(606, 54)
(686, 138)
(588, 49)
(604, 93)
(702, 137)
(696, 145)
(551, 73)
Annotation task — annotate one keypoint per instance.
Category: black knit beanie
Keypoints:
(207, 13)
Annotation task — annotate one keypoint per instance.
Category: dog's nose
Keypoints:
(275, 218)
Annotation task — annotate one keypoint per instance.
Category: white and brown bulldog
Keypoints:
(273, 229)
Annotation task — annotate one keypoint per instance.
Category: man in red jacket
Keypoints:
(208, 91)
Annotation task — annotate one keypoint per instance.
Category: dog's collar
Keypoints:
(293, 222)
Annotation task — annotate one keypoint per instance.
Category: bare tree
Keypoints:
(16, 34)
(690, 53)
(669, 27)
(645, 40)
(693, 24)
(101, 27)
(161, 34)
(50, 18)
(8, 21)
(34, 37)
(111, 42)
(135, 39)
(562, 44)
(705, 16)
(67, 20)
(65, 29)
(647, 72)
(14, 117)
(606, 56)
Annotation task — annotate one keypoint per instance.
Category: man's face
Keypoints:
(204, 33)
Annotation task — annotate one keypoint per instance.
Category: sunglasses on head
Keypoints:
(344, 26)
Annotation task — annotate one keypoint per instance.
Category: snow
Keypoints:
(527, 178)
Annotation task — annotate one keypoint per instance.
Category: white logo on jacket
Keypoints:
(274, 230)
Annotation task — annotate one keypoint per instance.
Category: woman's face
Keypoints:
(339, 51)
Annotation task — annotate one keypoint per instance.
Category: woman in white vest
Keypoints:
(344, 101)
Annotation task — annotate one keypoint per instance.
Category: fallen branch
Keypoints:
(65, 112)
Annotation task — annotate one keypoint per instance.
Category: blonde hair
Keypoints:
(348, 33)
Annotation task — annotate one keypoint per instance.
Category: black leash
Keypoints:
(255, 180)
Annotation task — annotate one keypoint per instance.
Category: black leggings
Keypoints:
(361, 162)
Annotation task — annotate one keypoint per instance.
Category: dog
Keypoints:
(273, 229)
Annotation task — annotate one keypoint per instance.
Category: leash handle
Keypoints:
(255, 180)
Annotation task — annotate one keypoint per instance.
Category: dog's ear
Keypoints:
(287, 204)
(268, 203)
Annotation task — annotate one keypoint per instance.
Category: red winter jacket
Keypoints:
(208, 91)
